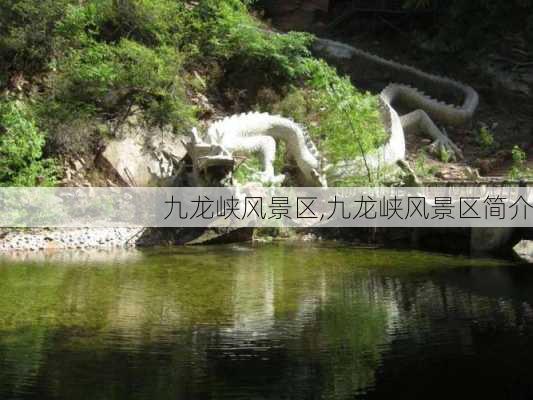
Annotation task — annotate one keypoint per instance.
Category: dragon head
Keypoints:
(211, 162)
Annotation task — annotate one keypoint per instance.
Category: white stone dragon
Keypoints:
(425, 110)
(258, 132)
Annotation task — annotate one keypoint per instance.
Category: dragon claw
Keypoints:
(443, 146)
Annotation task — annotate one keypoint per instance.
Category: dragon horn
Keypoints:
(194, 135)
(219, 135)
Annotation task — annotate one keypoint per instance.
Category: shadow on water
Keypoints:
(263, 322)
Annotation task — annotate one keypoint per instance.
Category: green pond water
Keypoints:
(273, 321)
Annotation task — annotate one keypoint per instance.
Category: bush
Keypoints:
(27, 31)
(152, 23)
(225, 31)
(118, 54)
(485, 138)
(349, 119)
(75, 138)
(345, 124)
(519, 168)
(21, 145)
(109, 80)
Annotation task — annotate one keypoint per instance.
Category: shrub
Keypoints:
(485, 137)
(350, 119)
(519, 168)
(109, 80)
(150, 22)
(345, 123)
(123, 53)
(21, 144)
(75, 138)
(227, 32)
(422, 168)
(27, 31)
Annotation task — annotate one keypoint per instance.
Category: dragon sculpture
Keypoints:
(257, 132)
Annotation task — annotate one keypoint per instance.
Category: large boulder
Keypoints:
(141, 155)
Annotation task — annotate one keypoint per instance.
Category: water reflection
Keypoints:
(268, 322)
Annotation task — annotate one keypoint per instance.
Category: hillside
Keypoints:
(78, 72)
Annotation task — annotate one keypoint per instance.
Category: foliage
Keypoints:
(152, 23)
(227, 31)
(27, 31)
(421, 166)
(121, 54)
(519, 168)
(485, 138)
(444, 154)
(21, 144)
(84, 137)
(351, 118)
(350, 122)
(247, 169)
(347, 123)
(98, 60)
(116, 54)
(110, 79)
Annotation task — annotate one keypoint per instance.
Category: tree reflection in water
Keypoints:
(273, 321)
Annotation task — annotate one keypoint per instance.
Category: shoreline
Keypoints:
(34, 240)
(30, 240)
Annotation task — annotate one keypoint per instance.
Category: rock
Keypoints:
(524, 249)
(129, 161)
(309, 237)
(143, 156)
(193, 236)
(70, 239)
(168, 144)
(443, 175)
(203, 102)
(77, 165)
(485, 166)
(472, 173)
